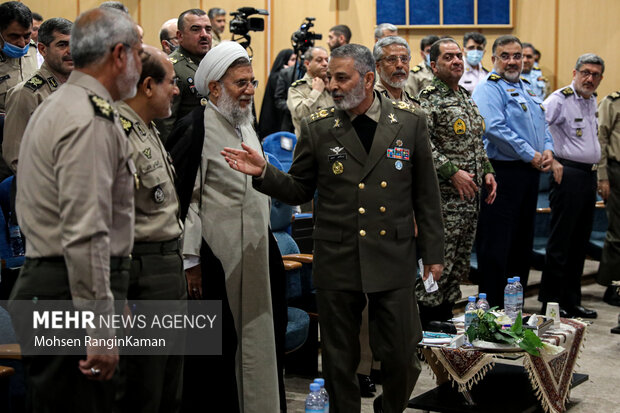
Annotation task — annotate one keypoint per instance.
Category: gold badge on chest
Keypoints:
(459, 127)
(337, 168)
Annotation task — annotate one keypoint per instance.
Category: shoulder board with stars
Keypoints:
(567, 91)
(126, 124)
(494, 77)
(297, 83)
(429, 90)
(403, 106)
(614, 96)
(416, 69)
(35, 83)
(102, 107)
(525, 80)
(321, 114)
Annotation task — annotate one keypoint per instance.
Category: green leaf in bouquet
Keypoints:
(517, 326)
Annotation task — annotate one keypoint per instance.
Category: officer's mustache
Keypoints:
(399, 72)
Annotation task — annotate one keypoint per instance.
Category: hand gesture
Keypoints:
(245, 160)
(464, 183)
(99, 366)
(489, 182)
(547, 160)
(318, 84)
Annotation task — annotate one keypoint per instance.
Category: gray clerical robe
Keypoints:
(233, 218)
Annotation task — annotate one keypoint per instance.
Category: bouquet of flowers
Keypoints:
(488, 326)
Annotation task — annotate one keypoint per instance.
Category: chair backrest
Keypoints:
(6, 253)
(281, 145)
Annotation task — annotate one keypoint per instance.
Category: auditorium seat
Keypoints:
(281, 145)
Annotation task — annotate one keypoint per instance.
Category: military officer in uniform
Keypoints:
(156, 266)
(24, 98)
(194, 37)
(18, 57)
(75, 206)
(519, 146)
(370, 159)
(456, 129)
(310, 93)
(474, 45)
(217, 16)
(392, 56)
(421, 75)
(532, 73)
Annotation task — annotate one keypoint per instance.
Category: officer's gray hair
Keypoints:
(590, 58)
(362, 58)
(97, 31)
(384, 26)
(115, 5)
(308, 55)
(49, 26)
(377, 52)
(215, 11)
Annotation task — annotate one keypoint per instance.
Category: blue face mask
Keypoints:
(13, 51)
(474, 57)
(427, 59)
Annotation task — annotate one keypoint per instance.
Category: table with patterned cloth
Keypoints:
(550, 375)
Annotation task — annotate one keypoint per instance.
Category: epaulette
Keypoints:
(35, 83)
(525, 80)
(173, 60)
(614, 96)
(428, 90)
(297, 83)
(536, 67)
(321, 114)
(399, 104)
(52, 81)
(126, 124)
(416, 69)
(102, 107)
(567, 91)
(411, 98)
(495, 77)
(485, 69)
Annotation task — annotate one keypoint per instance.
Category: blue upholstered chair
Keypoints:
(281, 145)
(8, 260)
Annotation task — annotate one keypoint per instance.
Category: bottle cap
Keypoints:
(315, 387)
(320, 381)
(511, 280)
(517, 279)
(471, 298)
(482, 296)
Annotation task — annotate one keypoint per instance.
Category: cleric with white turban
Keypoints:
(215, 64)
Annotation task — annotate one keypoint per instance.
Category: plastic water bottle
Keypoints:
(321, 382)
(15, 240)
(314, 401)
(482, 303)
(510, 299)
(519, 289)
(470, 310)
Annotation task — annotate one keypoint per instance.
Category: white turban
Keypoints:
(216, 62)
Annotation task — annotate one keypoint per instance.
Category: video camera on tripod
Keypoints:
(242, 24)
(303, 39)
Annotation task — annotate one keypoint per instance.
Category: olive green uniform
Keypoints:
(609, 168)
(420, 76)
(21, 102)
(185, 66)
(153, 383)
(364, 245)
(456, 129)
(75, 207)
(405, 96)
(302, 100)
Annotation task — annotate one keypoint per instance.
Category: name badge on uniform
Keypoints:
(398, 153)
(337, 154)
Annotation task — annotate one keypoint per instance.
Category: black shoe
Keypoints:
(367, 387)
(375, 376)
(377, 404)
(611, 296)
(580, 311)
(616, 329)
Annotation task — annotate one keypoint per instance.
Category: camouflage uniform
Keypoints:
(456, 129)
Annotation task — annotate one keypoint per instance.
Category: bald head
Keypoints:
(168, 36)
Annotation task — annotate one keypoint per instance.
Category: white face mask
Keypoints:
(474, 57)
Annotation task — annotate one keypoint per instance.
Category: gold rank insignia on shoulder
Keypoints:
(102, 107)
(126, 124)
(323, 113)
(614, 96)
(567, 91)
(416, 69)
(494, 77)
(297, 82)
(35, 83)
(459, 127)
(404, 106)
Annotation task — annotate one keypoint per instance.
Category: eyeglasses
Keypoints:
(586, 74)
(392, 60)
(242, 84)
(505, 57)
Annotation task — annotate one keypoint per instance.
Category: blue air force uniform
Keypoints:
(515, 130)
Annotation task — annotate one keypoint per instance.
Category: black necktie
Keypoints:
(365, 129)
